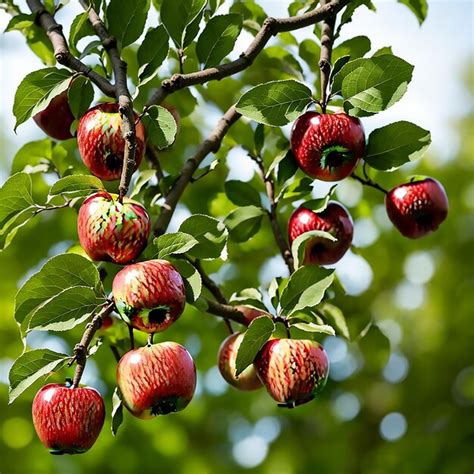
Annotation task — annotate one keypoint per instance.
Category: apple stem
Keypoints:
(132, 338)
(149, 342)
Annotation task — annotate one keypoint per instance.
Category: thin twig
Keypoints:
(369, 182)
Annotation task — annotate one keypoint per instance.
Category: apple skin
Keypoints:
(335, 219)
(227, 355)
(56, 119)
(68, 420)
(418, 208)
(156, 379)
(292, 370)
(111, 231)
(150, 296)
(315, 133)
(251, 313)
(100, 141)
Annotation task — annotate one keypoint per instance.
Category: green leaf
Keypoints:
(372, 85)
(275, 103)
(350, 9)
(76, 186)
(143, 178)
(65, 310)
(192, 280)
(382, 51)
(21, 22)
(335, 317)
(160, 125)
(354, 47)
(310, 52)
(242, 193)
(249, 297)
(418, 7)
(313, 327)
(218, 39)
(126, 20)
(375, 348)
(174, 244)
(59, 273)
(298, 247)
(178, 16)
(117, 411)
(30, 367)
(15, 197)
(31, 155)
(259, 138)
(244, 222)
(80, 96)
(257, 334)
(209, 232)
(392, 146)
(305, 288)
(80, 28)
(36, 91)
(152, 52)
(40, 44)
(298, 189)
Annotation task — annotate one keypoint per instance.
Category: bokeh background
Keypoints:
(413, 414)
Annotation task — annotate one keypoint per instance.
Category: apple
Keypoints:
(150, 296)
(227, 355)
(417, 208)
(335, 220)
(100, 141)
(112, 231)
(327, 146)
(292, 370)
(156, 379)
(68, 420)
(56, 119)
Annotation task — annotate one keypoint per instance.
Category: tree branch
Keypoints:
(369, 182)
(225, 311)
(122, 95)
(271, 26)
(327, 39)
(208, 282)
(61, 49)
(80, 351)
(211, 144)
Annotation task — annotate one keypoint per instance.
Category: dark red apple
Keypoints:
(100, 141)
(292, 370)
(150, 296)
(68, 420)
(327, 146)
(417, 208)
(335, 220)
(248, 379)
(251, 313)
(56, 119)
(112, 231)
(156, 379)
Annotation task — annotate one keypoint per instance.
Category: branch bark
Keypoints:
(271, 26)
(225, 311)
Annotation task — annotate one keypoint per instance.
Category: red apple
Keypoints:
(292, 370)
(156, 379)
(100, 141)
(335, 219)
(56, 119)
(327, 146)
(248, 379)
(417, 208)
(150, 295)
(251, 313)
(112, 231)
(68, 420)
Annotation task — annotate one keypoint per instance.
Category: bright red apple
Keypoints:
(149, 295)
(335, 219)
(56, 119)
(327, 146)
(292, 370)
(156, 379)
(100, 141)
(248, 379)
(417, 208)
(112, 231)
(68, 420)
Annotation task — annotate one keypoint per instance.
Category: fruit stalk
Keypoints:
(369, 182)
(80, 350)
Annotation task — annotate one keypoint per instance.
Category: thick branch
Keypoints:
(61, 49)
(80, 351)
(123, 97)
(327, 39)
(211, 144)
(270, 27)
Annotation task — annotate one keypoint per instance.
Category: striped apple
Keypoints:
(68, 420)
(292, 370)
(156, 379)
(150, 295)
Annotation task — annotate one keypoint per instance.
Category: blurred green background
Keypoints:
(412, 415)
